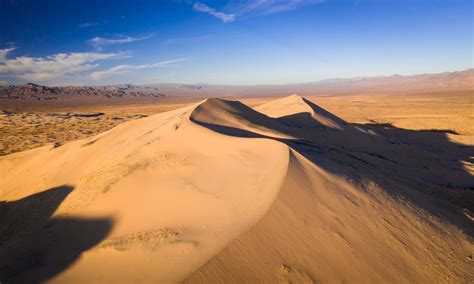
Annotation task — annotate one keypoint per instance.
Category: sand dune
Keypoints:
(221, 192)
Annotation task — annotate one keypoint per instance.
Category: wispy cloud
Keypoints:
(54, 66)
(78, 66)
(4, 52)
(118, 40)
(121, 69)
(203, 8)
(243, 7)
(239, 8)
(88, 24)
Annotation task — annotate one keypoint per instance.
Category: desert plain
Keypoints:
(356, 187)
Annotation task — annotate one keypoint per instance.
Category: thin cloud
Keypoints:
(54, 66)
(266, 7)
(121, 69)
(88, 25)
(203, 8)
(241, 8)
(4, 52)
(119, 40)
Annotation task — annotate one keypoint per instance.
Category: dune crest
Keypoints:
(176, 193)
(219, 191)
(299, 111)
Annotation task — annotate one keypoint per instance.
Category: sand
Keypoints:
(217, 191)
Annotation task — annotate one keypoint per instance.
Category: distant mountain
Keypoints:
(32, 91)
(448, 80)
(461, 80)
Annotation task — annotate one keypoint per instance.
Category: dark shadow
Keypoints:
(305, 119)
(34, 246)
(439, 155)
(449, 131)
(423, 167)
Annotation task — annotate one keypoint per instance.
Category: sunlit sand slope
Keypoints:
(220, 192)
(355, 207)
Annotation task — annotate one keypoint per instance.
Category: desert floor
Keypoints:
(23, 129)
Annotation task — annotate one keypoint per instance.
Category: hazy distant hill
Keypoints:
(462, 80)
(32, 91)
(448, 80)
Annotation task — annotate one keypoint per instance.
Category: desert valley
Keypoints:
(329, 187)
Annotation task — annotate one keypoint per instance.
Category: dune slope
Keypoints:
(354, 208)
(220, 192)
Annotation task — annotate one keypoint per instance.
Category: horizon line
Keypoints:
(250, 85)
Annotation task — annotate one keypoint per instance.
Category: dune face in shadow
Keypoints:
(424, 167)
(36, 246)
(324, 119)
(450, 154)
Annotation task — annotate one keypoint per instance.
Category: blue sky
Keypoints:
(100, 42)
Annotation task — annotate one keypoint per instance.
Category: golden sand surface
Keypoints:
(357, 188)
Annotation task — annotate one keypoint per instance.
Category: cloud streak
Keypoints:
(203, 8)
(122, 69)
(239, 8)
(266, 7)
(119, 40)
(54, 66)
(4, 52)
(88, 24)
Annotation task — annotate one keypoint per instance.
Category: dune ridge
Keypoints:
(331, 227)
(221, 192)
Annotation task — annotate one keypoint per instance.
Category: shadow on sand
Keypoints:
(34, 246)
(423, 167)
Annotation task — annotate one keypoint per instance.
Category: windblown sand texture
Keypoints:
(220, 192)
